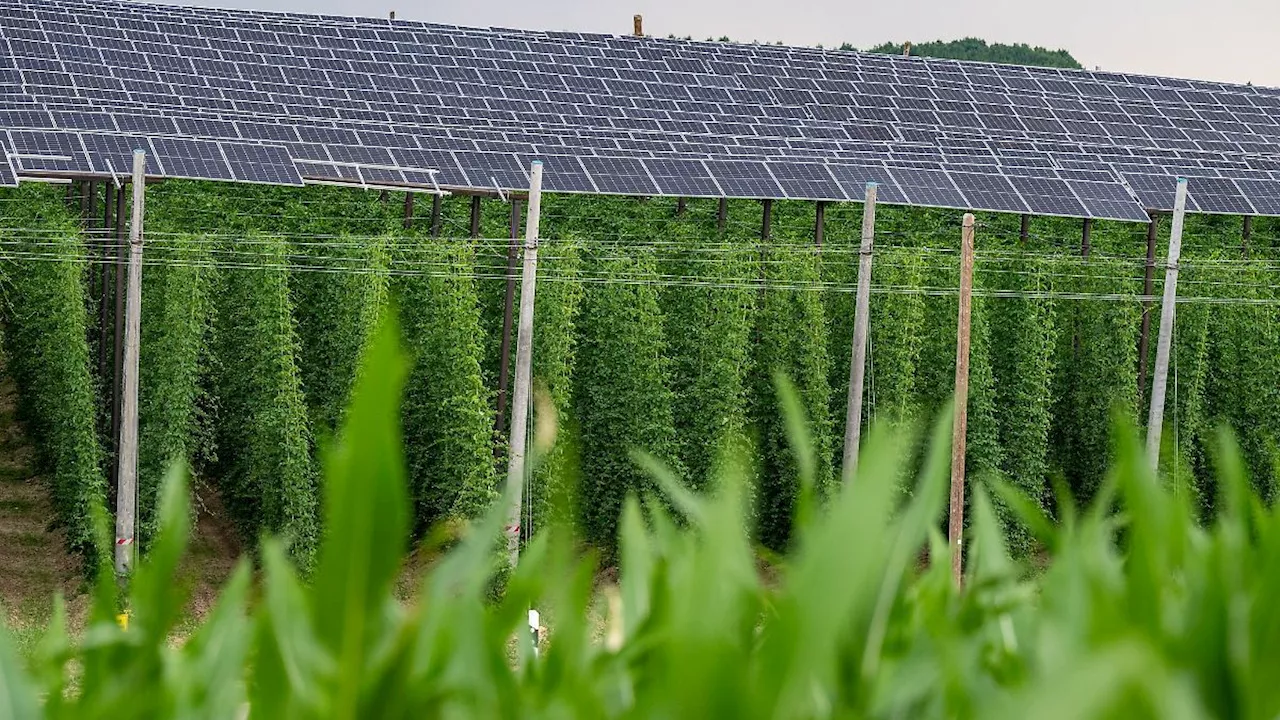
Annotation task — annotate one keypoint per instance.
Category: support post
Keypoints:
(1024, 233)
(1246, 234)
(1148, 281)
(1155, 420)
(475, 217)
(436, 215)
(960, 426)
(408, 210)
(722, 215)
(1085, 237)
(766, 219)
(819, 223)
(858, 363)
(682, 204)
(637, 25)
(127, 461)
(508, 310)
(524, 362)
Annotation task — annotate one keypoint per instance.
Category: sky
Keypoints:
(1226, 40)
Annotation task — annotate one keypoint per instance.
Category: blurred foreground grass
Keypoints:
(1139, 612)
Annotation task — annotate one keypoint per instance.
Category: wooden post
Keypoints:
(960, 426)
(906, 49)
(682, 205)
(819, 222)
(127, 461)
(436, 215)
(524, 362)
(722, 215)
(637, 25)
(1085, 237)
(858, 363)
(1167, 311)
(1024, 233)
(1148, 281)
(766, 219)
(1246, 233)
(475, 216)
(408, 210)
(508, 310)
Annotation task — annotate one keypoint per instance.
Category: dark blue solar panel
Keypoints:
(683, 178)
(989, 192)
(502, 171)
(1263, 195)
(1218, 195)
(8, 177)
(193, 159)
(261, 164)
(1047, 196)
(562, 173)
(743, 178)
(927, 187)
(806, 181)
(327, 172)
(113, 154)
(1156, 192)
(1108, 200)
(854, 179)
(620, 175)
(39, 151)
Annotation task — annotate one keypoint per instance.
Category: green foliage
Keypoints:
(708, 327)
(176, 306)
(789, 338)
(447, 416)
(1139, 612)
(48, 357)
(555, 349)
(622, 401)
(895, 336)
(265, 469)
(979, 50)
(336, 300)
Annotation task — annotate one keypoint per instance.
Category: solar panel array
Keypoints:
(287, 99)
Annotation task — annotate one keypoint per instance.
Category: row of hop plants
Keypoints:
(1137, 610)
(259, 302)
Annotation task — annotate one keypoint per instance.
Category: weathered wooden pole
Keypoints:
(1168, 306)
(637, 25)
(960, 427)
(436, 215)
(858, 362)
(127, 460)
(819, 222)
(1148, 282)
(508, 312)
(524, 363)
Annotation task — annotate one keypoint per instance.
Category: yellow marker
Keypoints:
(123, 620)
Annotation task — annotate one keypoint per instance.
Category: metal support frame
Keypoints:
(1024, 232)
(858, 362)
(960, 426)
(766, 219)
(1086, 236)
(682, 205)
(524, 363)
(1168, 308)
(722, 215)
(475, 216)
(1246, 234)
(436, 215)
(408, 210)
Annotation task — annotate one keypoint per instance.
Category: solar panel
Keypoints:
(1218, 195)
(266, 164)
(701, 119)
(1107, 200)
(1048, 196)
(8, 176)
(1264, 195)
(1156, 192)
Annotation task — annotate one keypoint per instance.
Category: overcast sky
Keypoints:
(1228, 40)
